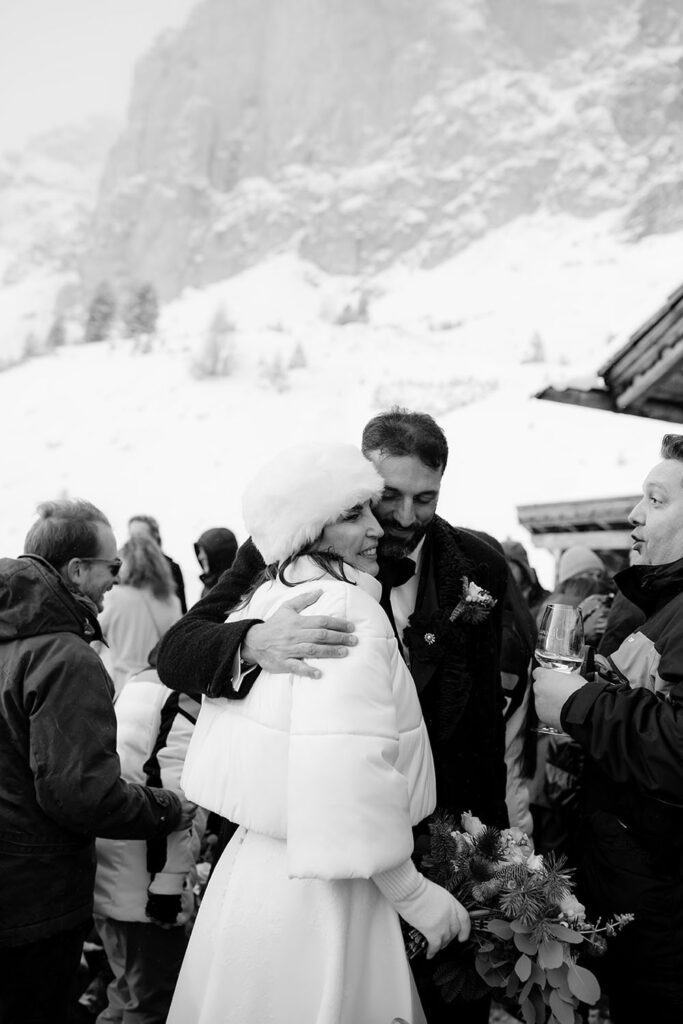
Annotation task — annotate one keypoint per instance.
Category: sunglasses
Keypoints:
(113, 566)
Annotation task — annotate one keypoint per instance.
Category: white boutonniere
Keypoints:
(475, 603)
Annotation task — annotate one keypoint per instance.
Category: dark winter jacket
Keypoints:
(457, 677)
(220, 547)
(178, 582)
(623, 619)
(629, 723)
(60, 782)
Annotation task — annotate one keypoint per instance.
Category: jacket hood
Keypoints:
(220, 546)
(651, 586)
(34, 601)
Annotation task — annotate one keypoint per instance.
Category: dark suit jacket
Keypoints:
(457, 678)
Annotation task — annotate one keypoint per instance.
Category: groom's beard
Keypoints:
(400, 543)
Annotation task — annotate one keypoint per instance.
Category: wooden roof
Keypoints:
(598, 523)
(645, 377)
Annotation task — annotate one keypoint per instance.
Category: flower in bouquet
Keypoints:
(528, 928)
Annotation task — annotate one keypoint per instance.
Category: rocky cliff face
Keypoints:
(364, 131)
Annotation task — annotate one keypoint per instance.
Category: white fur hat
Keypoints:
(296, 494)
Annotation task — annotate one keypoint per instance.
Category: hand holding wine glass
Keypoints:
(559, 644)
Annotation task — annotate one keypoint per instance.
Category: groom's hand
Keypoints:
(281, 643)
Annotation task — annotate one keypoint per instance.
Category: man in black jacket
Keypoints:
(455, 664)
(629, 722)
(60, 784)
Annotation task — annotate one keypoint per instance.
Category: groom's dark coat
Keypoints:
(456, 673)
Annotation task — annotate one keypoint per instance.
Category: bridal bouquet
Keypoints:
(527, 926)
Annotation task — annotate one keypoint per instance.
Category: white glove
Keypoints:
(425, 906)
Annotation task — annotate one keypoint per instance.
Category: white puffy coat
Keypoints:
(151, 719)
(340, 766)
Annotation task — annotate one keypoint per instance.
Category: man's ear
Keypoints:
(72, 573)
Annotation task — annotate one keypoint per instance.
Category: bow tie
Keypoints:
(394, 572)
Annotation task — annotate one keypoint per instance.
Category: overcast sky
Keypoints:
(61, 60)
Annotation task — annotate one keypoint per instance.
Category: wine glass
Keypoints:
(559, 644)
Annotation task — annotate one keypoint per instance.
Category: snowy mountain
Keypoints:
(361, 133)
(47, 193)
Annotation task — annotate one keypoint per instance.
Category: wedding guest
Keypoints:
(143, 898)
(519, 638)
(147, 526)
(327, 777)
(525, 575)
(215, 551)
(60, 784)
(628, 721)
(583, 582)
(139, 611)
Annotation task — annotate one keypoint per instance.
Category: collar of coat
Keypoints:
(650, 587)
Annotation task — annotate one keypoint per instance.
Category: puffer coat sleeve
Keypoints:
(359, 761)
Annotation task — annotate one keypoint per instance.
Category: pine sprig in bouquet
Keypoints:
(527, 926)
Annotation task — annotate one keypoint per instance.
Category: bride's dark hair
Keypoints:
(327, 561)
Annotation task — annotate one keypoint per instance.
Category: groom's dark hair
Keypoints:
(401, 432)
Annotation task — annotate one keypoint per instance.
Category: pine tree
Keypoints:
(141, 312)
(31, 346)
(56, 336)
(536, 350)
(216, 357)
(101, 313)
(298, 359)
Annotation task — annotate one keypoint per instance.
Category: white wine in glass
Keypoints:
(559, 644)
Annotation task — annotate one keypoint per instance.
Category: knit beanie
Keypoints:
(577, 560)
(295, 495)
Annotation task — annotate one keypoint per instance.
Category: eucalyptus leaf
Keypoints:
(528, 1011)
(526, 943)
(550, 953)
(500, 928)
(583, 984)
(563, 1011)
(565, 934)
(523, 967)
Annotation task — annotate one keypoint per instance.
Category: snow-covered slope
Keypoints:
(142, 433)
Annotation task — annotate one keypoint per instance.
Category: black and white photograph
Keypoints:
(341, 511)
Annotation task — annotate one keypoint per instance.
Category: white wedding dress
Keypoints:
(326, 778)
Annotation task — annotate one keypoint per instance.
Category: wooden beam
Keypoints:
(656, 409)
(600, 540)
(646, 381)
(592, 398)
(577, 512)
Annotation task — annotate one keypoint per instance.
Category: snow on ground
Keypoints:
(140, 433)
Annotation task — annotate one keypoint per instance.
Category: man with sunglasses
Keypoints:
(60, 784)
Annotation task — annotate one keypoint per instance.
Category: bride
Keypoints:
(300, 921)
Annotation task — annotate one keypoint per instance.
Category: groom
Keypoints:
(426, 567)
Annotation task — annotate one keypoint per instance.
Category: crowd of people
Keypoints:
(231, 803)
